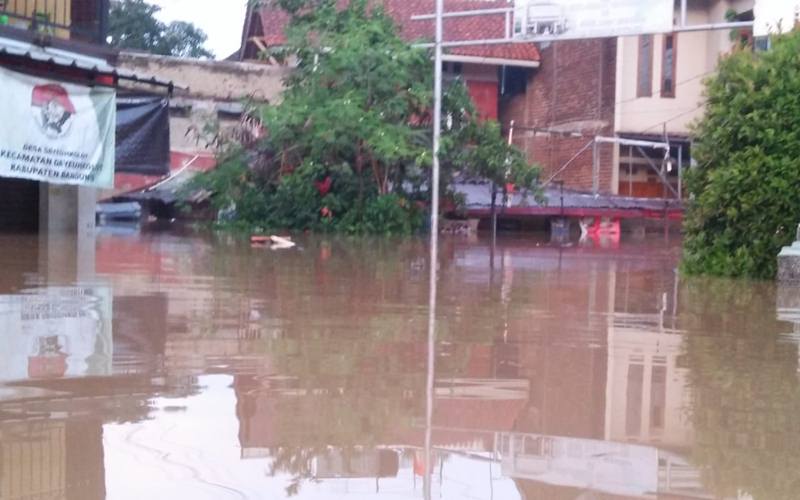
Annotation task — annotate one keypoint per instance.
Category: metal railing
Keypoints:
(83, 20)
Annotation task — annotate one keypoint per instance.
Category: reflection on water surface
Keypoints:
(189, 367)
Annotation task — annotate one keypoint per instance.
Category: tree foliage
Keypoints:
(746, 187)
(349, 146)
(133, 25)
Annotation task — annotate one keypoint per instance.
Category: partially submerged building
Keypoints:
(638, 94)
(212, 104)
(58, 137)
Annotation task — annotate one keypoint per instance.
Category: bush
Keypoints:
(348, 147)
(386, 214)
(746, 188)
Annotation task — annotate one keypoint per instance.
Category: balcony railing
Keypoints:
(82, 20)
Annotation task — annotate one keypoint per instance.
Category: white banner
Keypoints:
(56, 132)
(55, 333)
(775, 16)
(577, 19)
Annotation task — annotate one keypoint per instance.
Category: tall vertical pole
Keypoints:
(595, 168)
(434, 258)
(684, 13)
(680, 173)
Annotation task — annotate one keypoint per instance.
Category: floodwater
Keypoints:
(161, 366)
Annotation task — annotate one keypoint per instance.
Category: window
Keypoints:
(658, 397)
(633, 401)
(644, 83)
(669, 62)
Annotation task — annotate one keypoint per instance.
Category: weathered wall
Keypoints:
(572, 92)
(208, 94)
(218, 80)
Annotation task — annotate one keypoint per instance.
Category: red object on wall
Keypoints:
(129, 183)
(485, 97)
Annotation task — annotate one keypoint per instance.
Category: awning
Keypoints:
(70, 59)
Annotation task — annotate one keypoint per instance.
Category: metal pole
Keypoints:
(494, 213)
(595, 169)
(680, 173)
(434, 258)
(630, 172)
(683, 13)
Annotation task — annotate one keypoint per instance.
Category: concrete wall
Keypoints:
(67, 231)
(219, 80)
(209, 95)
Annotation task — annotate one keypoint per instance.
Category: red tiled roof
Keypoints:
(274, 22)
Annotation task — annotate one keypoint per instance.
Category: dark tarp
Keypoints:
(143, 134)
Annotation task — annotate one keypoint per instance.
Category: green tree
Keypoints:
(133, 25)
(746, 186)
(349, 146)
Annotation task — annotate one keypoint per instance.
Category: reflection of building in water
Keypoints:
(52, 460)
(56, 332)
(605, 466)
(357, 463)
(51, 432)
(648, 392)
(140, 327)
(557, 467)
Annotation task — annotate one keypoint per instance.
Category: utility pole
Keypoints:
(434, 258)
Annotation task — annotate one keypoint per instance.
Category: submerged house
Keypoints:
(58, 136)
(561, 96)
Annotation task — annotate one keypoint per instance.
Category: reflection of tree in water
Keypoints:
(334, 396)
(745, 405)
(338, 397)
(350, 349)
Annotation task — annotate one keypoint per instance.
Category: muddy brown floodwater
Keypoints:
(188, 367)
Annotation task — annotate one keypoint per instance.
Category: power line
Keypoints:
(658, 94)
(679, 115)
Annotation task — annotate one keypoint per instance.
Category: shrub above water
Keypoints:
(349, 146)
(746, 187)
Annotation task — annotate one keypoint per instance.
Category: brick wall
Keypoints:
(572, 91)
(484, 95)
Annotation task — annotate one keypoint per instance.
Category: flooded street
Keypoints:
(189, 367)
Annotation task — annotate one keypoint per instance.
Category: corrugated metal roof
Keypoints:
(73, 60)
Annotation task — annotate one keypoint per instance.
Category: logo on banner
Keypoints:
(53, 110)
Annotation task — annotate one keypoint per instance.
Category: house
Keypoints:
(209, 105)
(646, 88)
(58, 134)
(485, 69)
(561, 95)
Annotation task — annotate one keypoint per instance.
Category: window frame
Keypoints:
(644, 88)
(674, 66)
